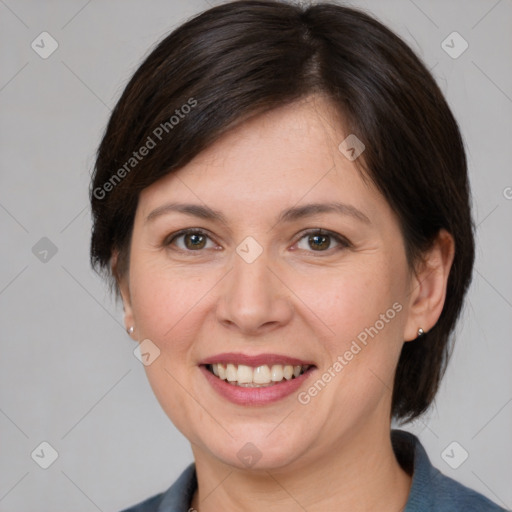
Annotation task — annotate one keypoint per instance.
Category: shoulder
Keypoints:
(431, 490)
(451, 495)
(176, 499)
(149, 505)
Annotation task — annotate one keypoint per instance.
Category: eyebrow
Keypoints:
(308, 210)
(288, 215)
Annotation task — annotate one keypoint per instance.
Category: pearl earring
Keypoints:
(421, 332)
(130, 329)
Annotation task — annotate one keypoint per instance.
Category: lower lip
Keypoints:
(255, 396)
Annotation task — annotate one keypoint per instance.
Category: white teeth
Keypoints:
(277, 373)
(231, 373)
(244, 374)
(264, 375)
(261, 375)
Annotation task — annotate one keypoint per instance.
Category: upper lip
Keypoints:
(254, 361)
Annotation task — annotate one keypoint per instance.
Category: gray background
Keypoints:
(67, 370)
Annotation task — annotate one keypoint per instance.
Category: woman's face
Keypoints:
(255, 283)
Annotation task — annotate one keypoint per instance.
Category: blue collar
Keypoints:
(431, 491)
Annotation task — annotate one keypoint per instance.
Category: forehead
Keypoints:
(271, 161)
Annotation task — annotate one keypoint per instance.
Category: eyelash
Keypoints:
(342, 241)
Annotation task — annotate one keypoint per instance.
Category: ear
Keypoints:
(428, 286)
(124, 289)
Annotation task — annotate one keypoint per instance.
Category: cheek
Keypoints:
(163, 305)
(364, 312)
(348, 301)
(162, 298)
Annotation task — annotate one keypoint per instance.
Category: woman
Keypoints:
(281, 201)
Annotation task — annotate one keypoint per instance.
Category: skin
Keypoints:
(295, 299)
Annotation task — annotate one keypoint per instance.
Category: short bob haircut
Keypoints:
(244, 58)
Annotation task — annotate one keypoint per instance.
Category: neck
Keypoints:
(361, 473)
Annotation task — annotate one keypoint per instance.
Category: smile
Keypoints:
(260, 376)
(255, 380)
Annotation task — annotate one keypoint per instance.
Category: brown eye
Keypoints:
(191, 240)
(321, 241)
(194, 241)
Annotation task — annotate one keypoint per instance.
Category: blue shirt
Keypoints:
(431, 491)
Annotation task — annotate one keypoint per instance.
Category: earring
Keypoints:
(130, 329)
(421, 332)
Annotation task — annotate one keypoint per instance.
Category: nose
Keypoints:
(253, 300)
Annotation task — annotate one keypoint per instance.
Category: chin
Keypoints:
(254, 449)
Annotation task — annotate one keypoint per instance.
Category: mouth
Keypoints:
(255, 380)
(258, 377)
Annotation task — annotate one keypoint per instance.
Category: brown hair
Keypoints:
(247, 57)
